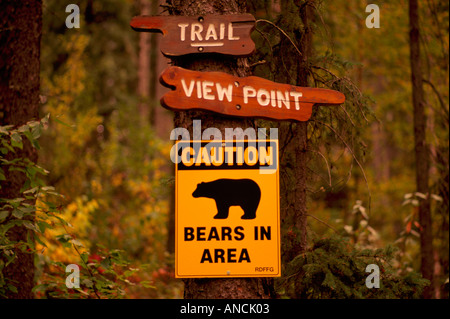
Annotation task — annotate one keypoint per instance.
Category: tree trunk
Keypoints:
(301, 129)
(143, 87)
(300, 139)
(162, 121)
(20, 35)
(254, 288)
(294, 137)
(421, 149)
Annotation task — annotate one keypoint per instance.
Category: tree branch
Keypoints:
(441, 101)
(325, 223)
(282, 31)
(354, 157)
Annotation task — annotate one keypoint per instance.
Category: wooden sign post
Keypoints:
(242, 97)
(224, 34)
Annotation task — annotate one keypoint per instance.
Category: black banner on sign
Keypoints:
(222, 155)
(219, 308)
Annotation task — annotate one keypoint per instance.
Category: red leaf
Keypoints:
(408, 227)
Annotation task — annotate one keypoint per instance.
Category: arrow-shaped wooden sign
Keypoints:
(242, 97)
(224, 34)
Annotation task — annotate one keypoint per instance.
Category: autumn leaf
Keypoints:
(408, 227)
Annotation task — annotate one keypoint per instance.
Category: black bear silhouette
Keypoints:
(231, 192)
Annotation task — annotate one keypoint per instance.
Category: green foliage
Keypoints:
(19, 212)
(333, 268)
(104, 275)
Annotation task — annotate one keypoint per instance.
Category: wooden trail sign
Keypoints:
(225, 34)
(242, 97)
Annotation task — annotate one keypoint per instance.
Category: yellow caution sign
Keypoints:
(227, 209)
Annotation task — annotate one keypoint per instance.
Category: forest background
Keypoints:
(104, 181)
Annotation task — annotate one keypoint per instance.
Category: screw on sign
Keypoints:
(243, 97)
(224, 34)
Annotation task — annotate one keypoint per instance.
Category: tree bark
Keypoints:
(294, 136)
(301, 129)
(20, 35)
(421, 148)
(300, 139)
(248, 288)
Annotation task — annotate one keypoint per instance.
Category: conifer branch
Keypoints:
(283, 32)
(323, 222)
(353, 155)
